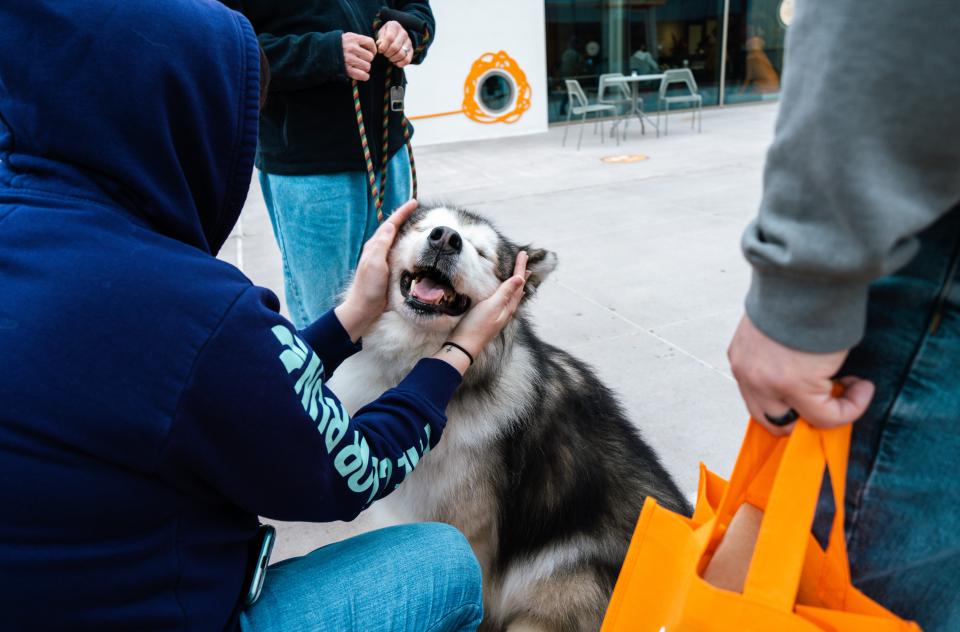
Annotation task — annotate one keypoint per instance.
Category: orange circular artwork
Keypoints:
(486, 64)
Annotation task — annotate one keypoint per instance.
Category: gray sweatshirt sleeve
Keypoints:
(866, 155)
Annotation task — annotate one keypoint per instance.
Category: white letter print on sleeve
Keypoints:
(362, 472)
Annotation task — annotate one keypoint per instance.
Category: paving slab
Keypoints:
(650, 282)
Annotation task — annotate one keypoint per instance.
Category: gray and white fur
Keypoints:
(538, 465)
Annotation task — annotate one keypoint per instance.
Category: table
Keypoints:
(634, 81)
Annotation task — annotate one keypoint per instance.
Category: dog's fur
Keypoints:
(538, 465)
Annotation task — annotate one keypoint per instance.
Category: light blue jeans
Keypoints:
(321, 223)
(411, 578)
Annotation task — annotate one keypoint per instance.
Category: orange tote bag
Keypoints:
(792, 584)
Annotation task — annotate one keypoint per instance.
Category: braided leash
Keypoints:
(378, 189)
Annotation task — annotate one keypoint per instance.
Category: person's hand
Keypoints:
(358, 54)
(774, 378)
(487, 318)
(394, 43)
(367, 297)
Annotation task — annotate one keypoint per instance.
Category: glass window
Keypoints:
(588, 38)
(755, 49)
(496, 92)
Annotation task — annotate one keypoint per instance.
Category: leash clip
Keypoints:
(396, 98)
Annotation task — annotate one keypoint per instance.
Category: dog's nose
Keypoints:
(446, 240)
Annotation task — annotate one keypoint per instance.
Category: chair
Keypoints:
(579, 106)
(617, 93)
(679, 76)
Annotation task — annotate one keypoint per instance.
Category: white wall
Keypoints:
(466, 29)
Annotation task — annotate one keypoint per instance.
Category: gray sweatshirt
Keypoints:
(866, 155)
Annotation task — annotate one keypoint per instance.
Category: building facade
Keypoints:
(498, 68)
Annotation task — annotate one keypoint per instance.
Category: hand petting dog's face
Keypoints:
(446, 260)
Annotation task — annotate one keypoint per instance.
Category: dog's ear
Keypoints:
(540, 264)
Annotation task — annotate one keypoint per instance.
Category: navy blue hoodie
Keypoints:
(152, 400)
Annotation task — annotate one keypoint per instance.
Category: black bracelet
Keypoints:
(456, 346)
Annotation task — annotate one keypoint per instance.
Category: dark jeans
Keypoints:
(903, 491)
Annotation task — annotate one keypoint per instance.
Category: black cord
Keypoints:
(456, 346)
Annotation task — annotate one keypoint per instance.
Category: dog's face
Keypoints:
(445, 261)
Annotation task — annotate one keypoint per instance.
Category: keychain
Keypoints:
(396, 98)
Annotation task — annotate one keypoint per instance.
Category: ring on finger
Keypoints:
(783, 420)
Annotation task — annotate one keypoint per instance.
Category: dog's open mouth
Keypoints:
(429, 291)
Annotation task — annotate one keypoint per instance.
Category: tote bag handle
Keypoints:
(774, 573)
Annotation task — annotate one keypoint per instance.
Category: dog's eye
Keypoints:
(483, 254)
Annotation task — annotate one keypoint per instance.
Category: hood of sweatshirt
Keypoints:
(149, 107)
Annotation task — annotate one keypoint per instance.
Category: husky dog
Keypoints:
(538, 465)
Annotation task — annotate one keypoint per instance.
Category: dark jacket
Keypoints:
(152, 400)
(309, 124)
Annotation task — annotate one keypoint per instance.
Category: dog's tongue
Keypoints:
(427, 291)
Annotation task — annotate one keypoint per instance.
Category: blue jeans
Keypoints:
(321, 223)
(903, 487)
(412, 578)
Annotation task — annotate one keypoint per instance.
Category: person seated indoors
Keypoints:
(643, 63)
(153, 402)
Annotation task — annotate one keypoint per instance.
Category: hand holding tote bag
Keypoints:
(792, 584)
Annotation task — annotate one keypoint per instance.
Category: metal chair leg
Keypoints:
(615, 126)
(658, 118)
(602, 132)
(700, 119)
(565, 128)
(583, 123)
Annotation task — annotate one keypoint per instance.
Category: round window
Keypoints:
(495, 92)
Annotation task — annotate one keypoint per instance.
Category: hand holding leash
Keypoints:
(393, 42)
(358, 54)
(367, 297)
(486, 319)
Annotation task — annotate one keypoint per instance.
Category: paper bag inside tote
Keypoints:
(727, 568)
(731, 561)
